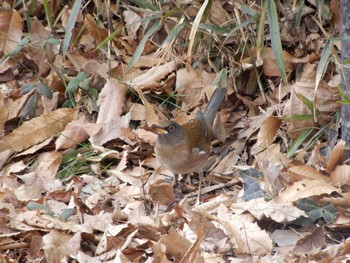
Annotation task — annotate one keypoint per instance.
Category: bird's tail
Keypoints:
(214, 104)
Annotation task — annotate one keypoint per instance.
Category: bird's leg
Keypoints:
(200, 175)
(176, 177)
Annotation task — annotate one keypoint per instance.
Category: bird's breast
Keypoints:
(181, 159)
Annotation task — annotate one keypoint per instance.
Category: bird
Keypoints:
(185, 149)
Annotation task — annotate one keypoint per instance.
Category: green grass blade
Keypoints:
(221, 76)
(321, 69)
(111, 36)
(145, 4)
(194, 29)
(177, 29)
(71, 22)
(308, 103)
(48, 14)
(142, 44)
(298, 142)
(276, 38)
(300, 117)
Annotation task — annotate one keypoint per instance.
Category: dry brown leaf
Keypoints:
(311, 244)
(251, 127)
(46, 170)
(327, 96)
(151, 79)
(219, 15)
(259, 208)
(176, 245)
(132, 22)
(268, 131)
(138, 112)
(272, 154)
(191, 84)
(337, 156)
(162, 193)
(146, 61)
(37, 130)
(34, 148)
(307, 172)
(272, 177)
(11, 24)
(72, 135)
(246, 235)
(151, 116)
(3, 113)
(108, 131)
(304, 188)
(58, 244)
(335, 9)
(270, 66)
(99, 34)
(341, 175)
(43, 56)
(111, 101)
(4, 157)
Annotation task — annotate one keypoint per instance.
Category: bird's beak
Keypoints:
(156, 129)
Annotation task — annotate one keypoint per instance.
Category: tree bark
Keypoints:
(345, 71)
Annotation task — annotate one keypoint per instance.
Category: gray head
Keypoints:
(169, 132)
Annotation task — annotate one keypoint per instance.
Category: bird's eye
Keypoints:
(171, 128)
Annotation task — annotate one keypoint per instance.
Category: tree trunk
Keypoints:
(345, 60)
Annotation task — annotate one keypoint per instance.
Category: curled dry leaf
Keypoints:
(151, 79)
(337, 156)
(268, 131)
(37, 130)
(341, 175)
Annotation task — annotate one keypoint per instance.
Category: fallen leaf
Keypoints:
(72, 135)
(337, 156)
(305, 188)
(259, 208)
(37, 130)
(341, 175)
(311, 244)
(268, 131)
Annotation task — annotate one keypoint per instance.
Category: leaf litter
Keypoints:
(79, 179)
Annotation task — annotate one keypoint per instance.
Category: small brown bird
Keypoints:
(186, 148)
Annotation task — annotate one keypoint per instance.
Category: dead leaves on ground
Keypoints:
(81, 182)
